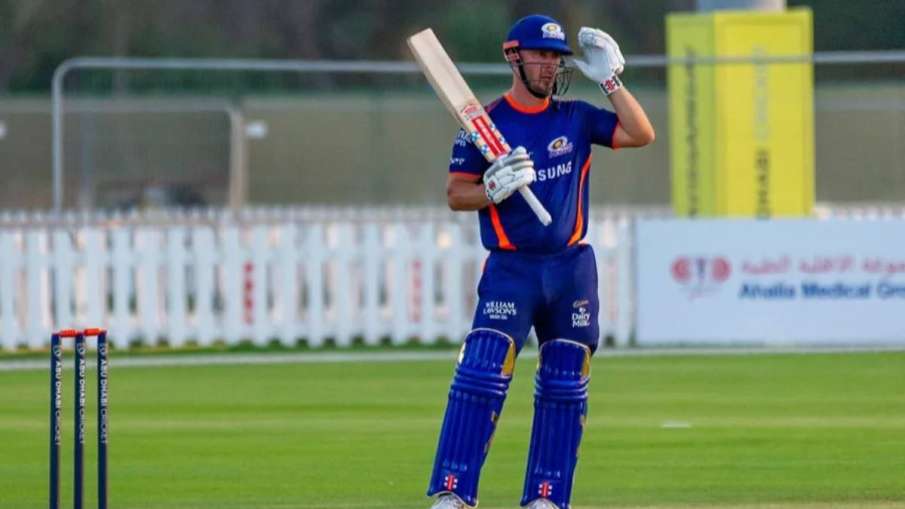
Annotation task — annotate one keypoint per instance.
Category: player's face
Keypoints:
(541, 67)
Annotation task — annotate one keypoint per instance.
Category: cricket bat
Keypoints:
(464, 106)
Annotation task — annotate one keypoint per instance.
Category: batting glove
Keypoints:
(603, 61)
(508, 174)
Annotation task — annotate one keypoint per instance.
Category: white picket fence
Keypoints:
(315, 276)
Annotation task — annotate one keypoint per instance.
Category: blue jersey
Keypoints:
(558, 136)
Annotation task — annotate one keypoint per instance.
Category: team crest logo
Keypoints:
(553, 31)
(559, 146)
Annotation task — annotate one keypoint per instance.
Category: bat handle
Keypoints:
(536, 205)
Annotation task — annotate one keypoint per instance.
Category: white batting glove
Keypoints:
(508, 174)
(603, 61)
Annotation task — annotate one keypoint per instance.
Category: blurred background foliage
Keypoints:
(37, 35)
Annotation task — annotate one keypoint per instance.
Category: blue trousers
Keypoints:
(557, 294)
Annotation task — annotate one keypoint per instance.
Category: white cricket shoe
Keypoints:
(541, 503)
(449, 501)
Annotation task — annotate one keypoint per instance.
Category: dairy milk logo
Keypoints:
(581, 317)
(560, 146)
(700, 275)
(499, 310)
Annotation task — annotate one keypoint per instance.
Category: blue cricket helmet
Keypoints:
(537, 32)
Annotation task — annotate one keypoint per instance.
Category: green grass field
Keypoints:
(778, 431)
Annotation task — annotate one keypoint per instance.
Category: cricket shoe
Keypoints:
(541, 503)
(449, 501)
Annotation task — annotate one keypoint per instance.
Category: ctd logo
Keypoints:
(700, 275)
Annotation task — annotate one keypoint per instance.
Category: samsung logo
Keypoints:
(554, 171)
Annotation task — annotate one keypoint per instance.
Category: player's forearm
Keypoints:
(464, 195)
(632, 117)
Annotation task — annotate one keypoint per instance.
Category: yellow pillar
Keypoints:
(742, 134)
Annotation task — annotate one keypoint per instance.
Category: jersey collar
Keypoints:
(522, 108)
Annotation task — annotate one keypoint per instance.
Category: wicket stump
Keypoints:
(79, 414)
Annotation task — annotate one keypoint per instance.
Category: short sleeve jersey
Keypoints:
(558, 136)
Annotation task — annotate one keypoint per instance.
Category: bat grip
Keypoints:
(535, 205)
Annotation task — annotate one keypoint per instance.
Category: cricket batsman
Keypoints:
(537, 276)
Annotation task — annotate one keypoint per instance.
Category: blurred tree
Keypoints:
(37, 35)
(846, 25)
(472, 37)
